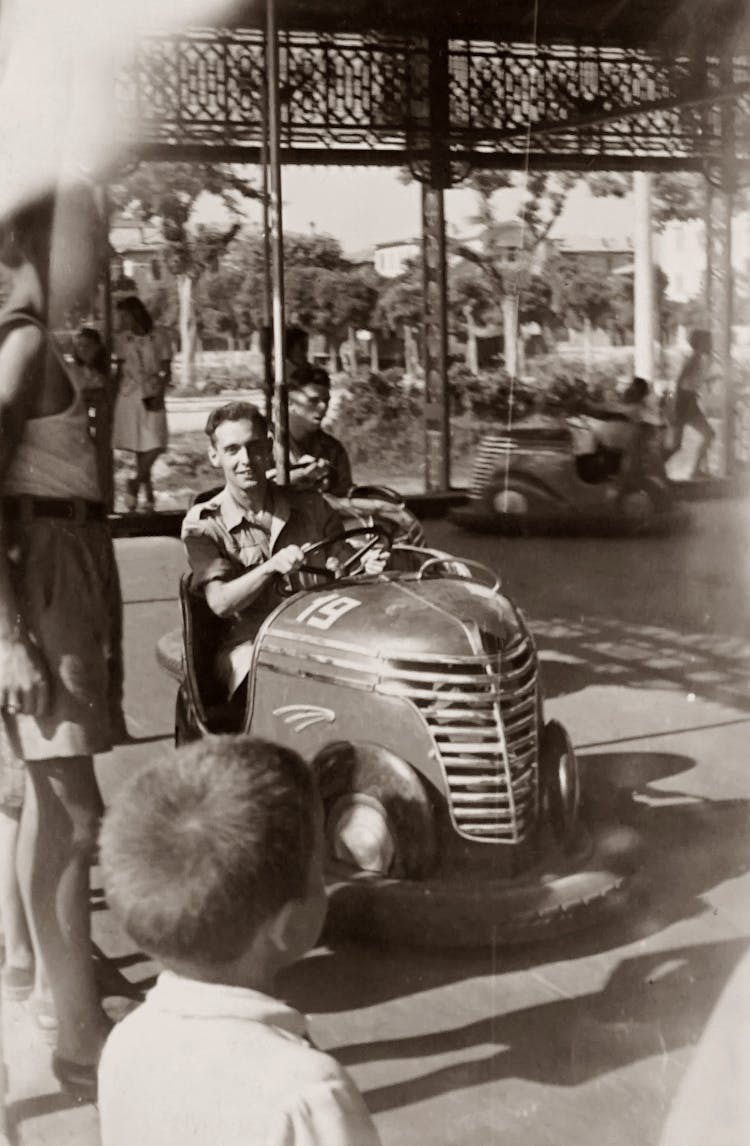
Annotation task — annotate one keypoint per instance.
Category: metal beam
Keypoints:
(400, 157)
(280, 396)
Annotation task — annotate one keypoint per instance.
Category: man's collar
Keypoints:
(276, 503)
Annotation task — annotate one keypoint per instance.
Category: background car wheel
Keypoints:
(638, 508)
(560, 785)
(510, 502)
(378, 813)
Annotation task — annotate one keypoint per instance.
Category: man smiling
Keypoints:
(241, 540)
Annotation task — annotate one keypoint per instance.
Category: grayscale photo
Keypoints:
(374, 573)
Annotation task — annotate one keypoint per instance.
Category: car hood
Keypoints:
(402, 617)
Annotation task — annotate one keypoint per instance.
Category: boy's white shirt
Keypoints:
(206, 1064)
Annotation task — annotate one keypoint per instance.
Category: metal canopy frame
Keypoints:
(368, 98)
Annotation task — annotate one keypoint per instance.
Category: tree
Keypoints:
(168, 192)
(676, 195)
(544, 197)
(400, 302)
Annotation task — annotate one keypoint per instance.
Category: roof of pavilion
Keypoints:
(624, 23)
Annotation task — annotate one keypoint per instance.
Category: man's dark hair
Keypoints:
(133, 306)
(311, 376)
(295, 336)
(100, 361)
(637, 390)
(234, 412)
(202, 846)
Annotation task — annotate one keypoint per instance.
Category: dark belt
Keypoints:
(27, 508)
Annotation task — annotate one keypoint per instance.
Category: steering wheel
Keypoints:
(461, 567)
(380, 492)
(376, 532)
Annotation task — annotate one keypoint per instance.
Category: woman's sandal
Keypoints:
(76, 1078)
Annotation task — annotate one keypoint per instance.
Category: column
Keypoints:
(720, 287)
(436, 394)
(643, 286)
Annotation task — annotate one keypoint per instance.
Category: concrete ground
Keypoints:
(645, 646)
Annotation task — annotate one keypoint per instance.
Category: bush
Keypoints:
(214, 375)
(487, 396)
(379, 420)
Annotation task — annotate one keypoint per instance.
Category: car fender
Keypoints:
(373, 772)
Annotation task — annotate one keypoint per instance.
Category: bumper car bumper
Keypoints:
(564, 891)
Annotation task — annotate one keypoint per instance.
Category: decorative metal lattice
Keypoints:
(507, 104)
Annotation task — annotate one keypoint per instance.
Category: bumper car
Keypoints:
(589, 470)
(453, 806)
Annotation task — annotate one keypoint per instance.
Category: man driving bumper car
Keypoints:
(240, 541)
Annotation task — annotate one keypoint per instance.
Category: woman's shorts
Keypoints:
(66, 582)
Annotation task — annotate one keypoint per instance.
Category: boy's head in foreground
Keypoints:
(212, 859)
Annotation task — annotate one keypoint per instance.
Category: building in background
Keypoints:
(138, 254)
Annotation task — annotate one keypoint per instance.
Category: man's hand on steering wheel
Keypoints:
(287, 560)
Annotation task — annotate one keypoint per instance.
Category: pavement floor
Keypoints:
(645, 647)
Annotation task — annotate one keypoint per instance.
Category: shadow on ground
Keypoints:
(650, 1005)
(599, 651)
(690, 845)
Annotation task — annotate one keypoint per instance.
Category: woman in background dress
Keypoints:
(140, 421)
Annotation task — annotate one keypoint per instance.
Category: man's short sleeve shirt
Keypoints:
(223, 540)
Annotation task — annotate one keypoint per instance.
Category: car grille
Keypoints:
(482, 713)
(491, 456)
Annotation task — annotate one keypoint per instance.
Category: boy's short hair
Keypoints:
(234, 412)
(204, 845)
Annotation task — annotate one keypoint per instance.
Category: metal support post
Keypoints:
(720, 274)
(104, 420)
(280, 396)
(266, 339)
(643, 279)
(434, 279)
(436, 394)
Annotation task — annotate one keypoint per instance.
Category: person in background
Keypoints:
(140, 418)
(693, 383)
(319, 460)
(296, 344)
(57, 582)
(212, 858)
(91, 373)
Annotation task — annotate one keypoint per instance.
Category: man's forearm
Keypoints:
(228, 597)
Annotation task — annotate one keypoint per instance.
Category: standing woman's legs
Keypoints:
(144, 465)
(19, 954)
(21, 945)
(59, 827)
(132, 486)
(700, 422)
